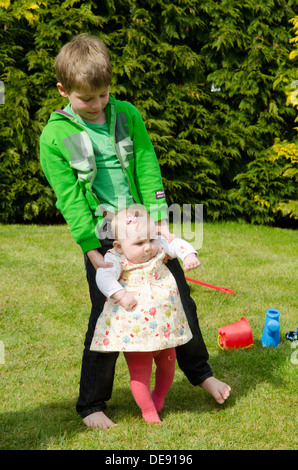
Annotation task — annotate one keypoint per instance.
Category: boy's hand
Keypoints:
(162, 229)
(126, 299)
(97, 260)
(191, 262)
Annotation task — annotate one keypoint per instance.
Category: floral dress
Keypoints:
(157, 322)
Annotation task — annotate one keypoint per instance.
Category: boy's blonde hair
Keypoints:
(134, 217)
(84, 63)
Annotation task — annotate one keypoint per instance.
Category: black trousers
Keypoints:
(97, 374)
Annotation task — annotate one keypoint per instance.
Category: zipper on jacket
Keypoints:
(119, 157)
(94, 163)
(94, 160)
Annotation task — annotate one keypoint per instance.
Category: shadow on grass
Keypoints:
(56, 422)
(243, 370)
(36, 428)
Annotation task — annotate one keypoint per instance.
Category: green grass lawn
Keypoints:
(44, 313)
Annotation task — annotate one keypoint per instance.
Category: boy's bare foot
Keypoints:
(219, 390)
(98, 420)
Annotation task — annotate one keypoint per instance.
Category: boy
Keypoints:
(98, 158)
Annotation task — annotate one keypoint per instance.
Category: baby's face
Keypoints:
(140, 245)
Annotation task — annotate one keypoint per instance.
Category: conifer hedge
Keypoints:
(210, 78)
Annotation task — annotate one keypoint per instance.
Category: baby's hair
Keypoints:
(135, 215)
(84, 64)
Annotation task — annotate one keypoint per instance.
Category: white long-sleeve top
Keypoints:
(107, 278)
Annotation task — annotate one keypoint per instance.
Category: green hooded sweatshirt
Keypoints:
(68, 161)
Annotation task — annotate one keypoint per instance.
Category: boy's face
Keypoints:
(88, 105)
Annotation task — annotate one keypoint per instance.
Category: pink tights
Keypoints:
(140, 369)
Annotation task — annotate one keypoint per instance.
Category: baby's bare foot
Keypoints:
(98, 420)
(219, 390)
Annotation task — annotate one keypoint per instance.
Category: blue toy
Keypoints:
(270, 335)
(292, 335)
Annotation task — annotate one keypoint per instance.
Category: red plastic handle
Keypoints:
(222, 289)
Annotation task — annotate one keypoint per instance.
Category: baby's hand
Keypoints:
(191, 262)
(128, 301)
